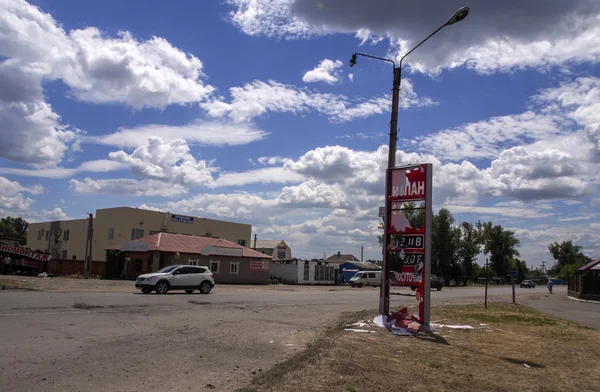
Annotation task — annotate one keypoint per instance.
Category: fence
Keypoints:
(71, 267)
(585, 287)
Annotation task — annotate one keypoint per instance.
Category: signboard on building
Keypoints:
(182, 219)
(134, 246)
(221, 251)
(259, 266)
(408, 230)
(25, 252)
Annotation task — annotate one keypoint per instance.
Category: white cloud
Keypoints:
(549, 174)
(11, 195)
(55, 214)
(490, 40)
(127, 187)
(170, 162)
(260, 176)
(314, 194)
(487, 138)
(257, 98)
(34, 48)
(365, 35)
(272, 160)
(351, 77)
(31, 131)
(98, 166)
(501, 211)
(595, 202)
(325, 72)
(98, 68)
(200, 132)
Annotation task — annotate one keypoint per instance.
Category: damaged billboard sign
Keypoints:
(408, 230)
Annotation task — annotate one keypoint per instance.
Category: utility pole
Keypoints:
(544, 267)
(486, 281)
(88, 247)
(362, 248)
(255, 235)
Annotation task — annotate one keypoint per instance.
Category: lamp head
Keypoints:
(458, 16)
(353, 60)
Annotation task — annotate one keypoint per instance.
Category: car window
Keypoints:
(194, 270)
(168, 269)
(371, 275)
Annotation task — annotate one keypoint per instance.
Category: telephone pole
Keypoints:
(88, 247)
(486, 281)
(362, 248)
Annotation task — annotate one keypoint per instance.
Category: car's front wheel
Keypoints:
(205, 287)
(439, 288)
(162, 287)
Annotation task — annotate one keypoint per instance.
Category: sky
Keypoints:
(248, 111)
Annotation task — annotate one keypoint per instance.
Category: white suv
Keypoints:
(177, 277)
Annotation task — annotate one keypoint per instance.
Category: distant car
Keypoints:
(366, 278)
(435, 283)
(177, 277)
(527, 284)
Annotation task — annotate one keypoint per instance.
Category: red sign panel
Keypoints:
(25, 252)
(259, 266)
(408, 244)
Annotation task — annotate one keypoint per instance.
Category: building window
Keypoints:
(234, 268)
(214, 266)
(242, 242)
(111, 233)
(40, 234)
(137, 233)
(154, 232)
(66, 235)
(47, 234)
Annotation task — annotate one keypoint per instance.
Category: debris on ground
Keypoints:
(526, 366)
(451, 326)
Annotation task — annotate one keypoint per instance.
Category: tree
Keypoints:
(568, 258)
(14, 228)
(444, 246)
(469, 247)
(414, 214)
(521, 267)
(501, 245)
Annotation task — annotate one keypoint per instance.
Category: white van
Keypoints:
(366, 278)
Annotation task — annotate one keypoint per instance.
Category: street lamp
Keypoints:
(459, 15)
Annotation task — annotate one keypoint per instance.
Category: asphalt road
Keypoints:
(176, 342)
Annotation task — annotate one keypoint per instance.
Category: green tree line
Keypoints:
(455, 247)
(14, 228)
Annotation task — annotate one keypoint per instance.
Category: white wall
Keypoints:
(287, 272)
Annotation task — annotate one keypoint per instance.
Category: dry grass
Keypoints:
(83, 305)
(16, 284)
(561, 355)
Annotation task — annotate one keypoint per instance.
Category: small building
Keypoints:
(340, 258)
(15, 259)
(304, 272)
(228, 261)
(66, 239)
(585, 284)
(350, 268)
(277, 249)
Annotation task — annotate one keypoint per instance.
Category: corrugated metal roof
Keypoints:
(168, 242)
(266, 244)
(591, 265)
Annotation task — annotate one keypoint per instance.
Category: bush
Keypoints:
(115, 260)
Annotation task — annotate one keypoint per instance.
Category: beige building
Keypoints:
(277, 249)
(112, 226)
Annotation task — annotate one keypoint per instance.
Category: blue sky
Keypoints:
(247, 110)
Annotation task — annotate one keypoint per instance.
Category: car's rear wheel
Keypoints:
(146, 291)
(439, 288)
(189, 291)
(359, 285)
(205, 287)
(162, 287)
(413, 288)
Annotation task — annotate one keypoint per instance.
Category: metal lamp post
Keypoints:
(384, 298)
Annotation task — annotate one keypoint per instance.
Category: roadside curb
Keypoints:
(582, 300)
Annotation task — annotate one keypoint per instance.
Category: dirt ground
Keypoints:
(67, 285)
(512, 348)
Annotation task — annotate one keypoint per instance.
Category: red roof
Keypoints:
(168, 242)
(590, 265)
